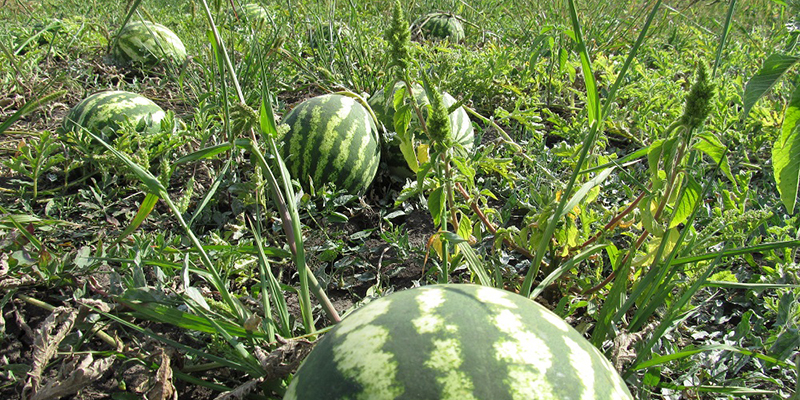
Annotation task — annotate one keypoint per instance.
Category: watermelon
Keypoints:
(455, 342)
(331, 139)
(460, 125)
(255, 14)
(147, 43)
(439, 26)
(105, 112)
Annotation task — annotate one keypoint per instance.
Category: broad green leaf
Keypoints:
(786, 154)
(654, 155)
(464, 227)
(686, 205)
(771, 71)
(647, 207)
(713, 147)
(436, 204)
(402, 119)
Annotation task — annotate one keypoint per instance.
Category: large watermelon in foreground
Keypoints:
(460, 125)
(462, 342)
(332, 139)
(148, 43)
(106, 112)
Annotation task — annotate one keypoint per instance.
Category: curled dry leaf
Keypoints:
(277, 364)
(623, 352)
(240, 391)
(163, 388)
(54, 329)
(74, 375)
(285, 358)
(94, 303)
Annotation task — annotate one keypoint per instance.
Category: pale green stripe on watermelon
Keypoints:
(455, 342)
(446, 359)
(522, 350)
(429, 321)
(446, 355)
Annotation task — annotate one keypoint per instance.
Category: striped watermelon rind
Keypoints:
(255, 13)
(455, 342)
(252, 13)
(441, 26)
(460, 125)
(331, 139)
(104, 113)
(147, 44)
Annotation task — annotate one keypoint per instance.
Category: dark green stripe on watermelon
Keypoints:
(455, 342)
(332, 139)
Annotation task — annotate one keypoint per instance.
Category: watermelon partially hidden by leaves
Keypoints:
(253, 13)
(145, 43)
(104, 113)
(461, 128)
(462, 342)
(332, 139)
(439, 26)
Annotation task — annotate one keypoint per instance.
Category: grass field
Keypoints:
(634, 168)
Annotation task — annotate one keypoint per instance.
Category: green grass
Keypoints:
(679, 263)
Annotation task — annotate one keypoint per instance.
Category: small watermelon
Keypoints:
(462, 342)
(255, 14)
(439, 26)
(460, 125)
(104, 113)
(332, 139)
(147, 43)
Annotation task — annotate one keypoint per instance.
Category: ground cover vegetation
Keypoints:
(631, 166)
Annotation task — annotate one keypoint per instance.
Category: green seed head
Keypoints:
(399, 38)
(699, 100)
(438, 122)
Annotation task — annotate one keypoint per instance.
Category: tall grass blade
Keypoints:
(724, 39)
(147, 206)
